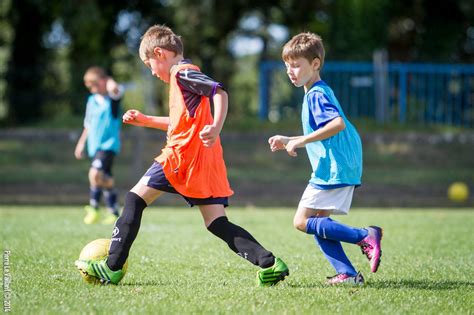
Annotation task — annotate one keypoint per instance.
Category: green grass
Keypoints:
(177, 267)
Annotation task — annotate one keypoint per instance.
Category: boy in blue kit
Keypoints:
(102, 134)
(334, 149)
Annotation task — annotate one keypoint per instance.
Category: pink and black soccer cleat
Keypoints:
(344, 278)
(371, 246)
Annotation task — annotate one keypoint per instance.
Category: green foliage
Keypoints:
(35, 86)
(177, 267)
(358, 28)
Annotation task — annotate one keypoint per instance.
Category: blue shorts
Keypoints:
(155, 178)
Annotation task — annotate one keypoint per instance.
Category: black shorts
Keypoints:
(103, 161)
(155, 178)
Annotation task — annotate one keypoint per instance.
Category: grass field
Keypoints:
(177, 267)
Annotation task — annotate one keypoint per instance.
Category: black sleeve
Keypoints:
(115, 108)
(197, 82)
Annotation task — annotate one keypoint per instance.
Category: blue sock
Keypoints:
(110, 196)
(327, 228)
(334, 253)
(94, 196)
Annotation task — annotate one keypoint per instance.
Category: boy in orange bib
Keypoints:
(191, 163)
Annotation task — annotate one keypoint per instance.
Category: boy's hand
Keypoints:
(112, 86)
(78, 152)
(278, 142)
(134, 117)
(209, 135)
(291, 147)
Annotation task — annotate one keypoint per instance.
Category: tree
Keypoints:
(29, 19)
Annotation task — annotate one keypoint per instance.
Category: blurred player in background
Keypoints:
(334, 149)
(102, 135)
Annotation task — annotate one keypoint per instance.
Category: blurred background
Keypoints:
(402, 70)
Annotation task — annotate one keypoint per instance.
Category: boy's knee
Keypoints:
(95, 177)
(299, 223)
(108, 182)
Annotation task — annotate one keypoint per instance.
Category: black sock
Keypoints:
(125, 230)
(241, 242)
(110, 196)
(94, 196)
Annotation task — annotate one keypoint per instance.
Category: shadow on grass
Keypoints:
(147, 283)
(426, 284)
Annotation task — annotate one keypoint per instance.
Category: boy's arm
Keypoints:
(210, 133)
(136, 118)
(330, 129)
(291, 143)
(114, 89)
(78, 151)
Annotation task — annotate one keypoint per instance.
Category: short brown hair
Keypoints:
(160, 36)
(96, 71)
(306, 45)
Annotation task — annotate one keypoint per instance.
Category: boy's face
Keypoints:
(159, 64)
(301, 71)
(95, 84)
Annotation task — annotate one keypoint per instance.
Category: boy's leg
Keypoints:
(318, 222)
(369, 239)
(336, 256)
(110, 196)
(273, 269)
(107, 183)
(331, 248)
(238, 239)
(95, 193)
(127, 226)
(109, 269)
(327, 228)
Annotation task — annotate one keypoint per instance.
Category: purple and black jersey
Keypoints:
(195, 84)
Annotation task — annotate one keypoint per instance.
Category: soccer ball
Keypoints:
(97, 249)
(458, 192)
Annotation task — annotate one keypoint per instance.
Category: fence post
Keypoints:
(380, 63)
(402, 96)
(264, 90)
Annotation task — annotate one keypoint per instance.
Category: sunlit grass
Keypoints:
(177, 267)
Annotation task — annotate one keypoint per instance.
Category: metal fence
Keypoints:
(387, 92)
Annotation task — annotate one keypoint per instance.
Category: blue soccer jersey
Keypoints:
(336, 161)
(102, 122)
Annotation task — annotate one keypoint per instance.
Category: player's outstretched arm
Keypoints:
(278, 142)
(330, 129)
(210, 133)
(290, 144)
(136, 118)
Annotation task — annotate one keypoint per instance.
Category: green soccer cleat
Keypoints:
(110, 218)
(92, 215)
(99, 270)
(272, 275)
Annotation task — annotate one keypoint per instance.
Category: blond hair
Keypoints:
(95, 71)
(160, 36)
(307, 45)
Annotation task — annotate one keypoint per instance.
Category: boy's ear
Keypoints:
(316, 63)
(158, 52)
